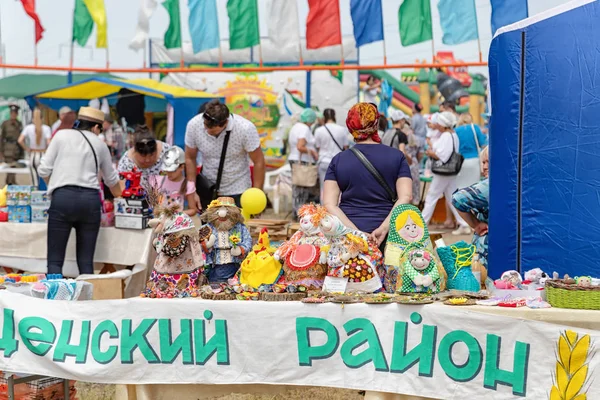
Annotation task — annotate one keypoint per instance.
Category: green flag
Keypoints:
(173, 33)
(83, 24)
(415, 22)
(243, 23)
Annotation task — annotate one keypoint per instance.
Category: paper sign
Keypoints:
(335, 285)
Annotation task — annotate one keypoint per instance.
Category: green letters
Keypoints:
(361, 331)
(104, 357)
(468, 370)
(64, 348)
(218, 343)
(46, 336)
(8, 343)
(493, 375)
(423, 353)
(306, 352)
(132, 340)
(170, 349)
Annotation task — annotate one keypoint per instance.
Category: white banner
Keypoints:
(435, 351)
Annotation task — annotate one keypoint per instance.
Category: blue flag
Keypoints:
(458, 20)
(204, 25)
(367, 19)
(506, 12)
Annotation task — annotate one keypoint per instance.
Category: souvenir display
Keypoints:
(456, 260)
(132, 210)
(260, 266)
(460, 301)
(229, 241)
(416, 299)
(304, 255)
(18, 200)
(509, 280)
(420, 273)
(351, 255)
(3, 208)
(579, 293)
(179, 266)
(408, 232)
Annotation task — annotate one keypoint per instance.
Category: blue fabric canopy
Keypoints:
(545, 143)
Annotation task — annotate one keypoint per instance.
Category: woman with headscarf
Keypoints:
(34, 140)
(301, 145)
(443, 185)
(352, 193)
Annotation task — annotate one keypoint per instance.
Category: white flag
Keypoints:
(284, 29)
(142, 31)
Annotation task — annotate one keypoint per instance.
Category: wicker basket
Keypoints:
(569, 295)
(283, 296)
(218, 296)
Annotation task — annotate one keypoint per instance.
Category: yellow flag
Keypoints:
(98, 13)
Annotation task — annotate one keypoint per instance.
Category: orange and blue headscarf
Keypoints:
(362, 122)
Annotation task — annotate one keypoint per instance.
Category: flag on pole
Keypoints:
(506, 12)
(415, 22)
(283, 25)
(323, 24)
(98, 14)
(367, 19)
(243, 23)
(142, 31)
(204, 25)
(29, 7)
(173, 33)
(458, 20)
(83, 24)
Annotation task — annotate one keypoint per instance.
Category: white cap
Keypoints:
(172, 159)
(397, 115)
(447, 119)
(64, 110)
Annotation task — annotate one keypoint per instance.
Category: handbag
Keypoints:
(450, 167)
(305, 175)
(361, 157)
(205, 188)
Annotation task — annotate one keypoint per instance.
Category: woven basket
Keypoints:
(218, 296)
(283, 296)
(568, 295)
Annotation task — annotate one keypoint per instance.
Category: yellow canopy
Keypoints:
(106, 87)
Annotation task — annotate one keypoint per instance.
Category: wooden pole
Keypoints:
(478, 38)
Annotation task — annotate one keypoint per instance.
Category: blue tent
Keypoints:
(185, 102)
(545, 143)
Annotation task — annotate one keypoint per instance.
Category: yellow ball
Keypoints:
(254, 201)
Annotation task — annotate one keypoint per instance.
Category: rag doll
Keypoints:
(260, 267)
(408, 232)
(420, 273)
(304, 255)
(351, 256)
(229, 241)
(179, 265)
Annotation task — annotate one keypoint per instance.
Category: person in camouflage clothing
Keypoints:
(10, 151)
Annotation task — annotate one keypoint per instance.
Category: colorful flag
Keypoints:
(29, 6)
(142, 31)
(243, 23)
(337, 74)
(173, 33)
(323, 24)
(83, 24)
(458, 20)
(98, 14)
(204, 25)
(415, 22)
(367, 19)
(506, 12)
(283, 25)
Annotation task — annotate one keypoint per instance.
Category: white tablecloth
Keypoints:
(23, 246)
(23, 175)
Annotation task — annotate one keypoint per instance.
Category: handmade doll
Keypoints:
(229, 242)
(408, 232)
(179, 265)
(351, 256)
(304, 255)
(420, 273)
(457, 260)
(260, 267)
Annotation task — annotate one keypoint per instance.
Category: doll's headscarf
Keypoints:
(362, 122)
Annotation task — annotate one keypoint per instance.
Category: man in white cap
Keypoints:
(61, 114)
(396, 137)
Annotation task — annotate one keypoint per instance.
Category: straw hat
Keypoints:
(91, 114)
(223, 202)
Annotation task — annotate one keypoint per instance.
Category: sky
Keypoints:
(17, 32)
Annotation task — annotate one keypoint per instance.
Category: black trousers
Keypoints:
(79, 208)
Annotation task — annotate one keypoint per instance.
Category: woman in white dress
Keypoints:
(330, 139)
(35, 139)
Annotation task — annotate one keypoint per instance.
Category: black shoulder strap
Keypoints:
(334, 141)
(222, 162)
(92, 147)
(361, 157)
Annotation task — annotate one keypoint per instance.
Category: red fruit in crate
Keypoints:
(108, 206)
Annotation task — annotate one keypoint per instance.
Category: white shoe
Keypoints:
(462, 230)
